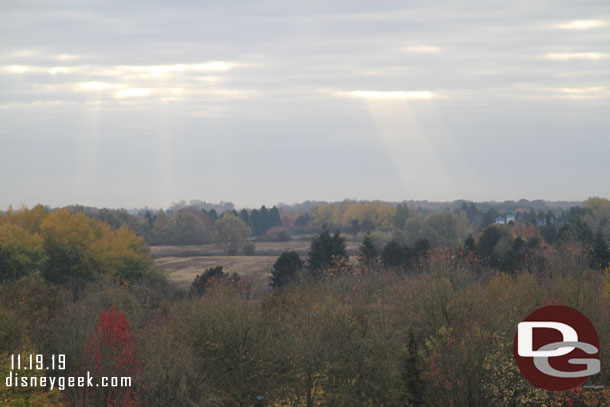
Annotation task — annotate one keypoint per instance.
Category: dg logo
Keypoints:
(556, 348)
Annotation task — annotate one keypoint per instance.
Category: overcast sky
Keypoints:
(141, 103)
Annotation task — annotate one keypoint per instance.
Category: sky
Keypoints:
(142, 103)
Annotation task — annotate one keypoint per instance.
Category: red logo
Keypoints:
(556, 348)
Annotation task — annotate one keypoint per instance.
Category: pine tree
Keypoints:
(368, 252)
(324, 248)
(600, 252)
(285, 269)
(413, 390)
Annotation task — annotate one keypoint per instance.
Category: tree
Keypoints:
(160, 232)
(213, 215)
(285, 269)
(368, 252)
(188, 226)
(412, 369)
(231, 233)
(69, 241)
(112, 353)
(210, 277)
(600, 252)
(470, 244)
(396, 255)
(549, 231)
(302, 220)
(274, 217)
(488, 241)
(400, 219)
(21, 253)
(324, 250)
(245, 216)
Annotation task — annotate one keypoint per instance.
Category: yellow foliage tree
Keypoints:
(21, 253)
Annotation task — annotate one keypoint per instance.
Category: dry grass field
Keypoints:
(183, 263)
(183, 270)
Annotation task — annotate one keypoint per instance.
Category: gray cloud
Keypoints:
(141, 103)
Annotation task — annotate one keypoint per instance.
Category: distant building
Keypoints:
(500, 220)
(510, 218)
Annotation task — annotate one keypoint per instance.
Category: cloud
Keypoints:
(132, 93)
(98, 85)
(580, 25)
(591, 92)
(562, 56)
(59, 69)
(422, 49)
(67, 57)
(390, 95)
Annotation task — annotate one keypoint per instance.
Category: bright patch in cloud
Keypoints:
(133, 93)
(17, 68)
(562, 56)
(97, 85)
(583, 93)
(422, 49)
(373, 94)
(66, 57)
(590, 92)
(581, 25)
(24, 53)
(161, 70)
(59, 69)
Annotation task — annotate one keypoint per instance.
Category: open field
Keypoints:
(261, 249)
(183, 270)
(183, 263)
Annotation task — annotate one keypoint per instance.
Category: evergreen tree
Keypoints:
(549, 232)
(488, 241)
(245, 216)
(323, 249)
(274, 217)
(470, 244)
(368, 252)
(412, 368)
(210, 277)
(213, 216)
(302, 220)
(150, 220)
(600, 252)
(395, 254)
(264, 220)
(421, 247)
(285, 269)
(255, 219)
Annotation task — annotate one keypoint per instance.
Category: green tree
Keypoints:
(324, 250)
(368, 252)
(231, 233)
(395, 255)
(402, 214)
(69, 244)
(21, 253)
(412, 369)
(188, 226)
(210, 277)
(285, 269)
(600, 252)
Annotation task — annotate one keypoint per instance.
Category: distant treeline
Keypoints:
(444, 225)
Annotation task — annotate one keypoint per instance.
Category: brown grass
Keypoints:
(182, 263)
(183, 270)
